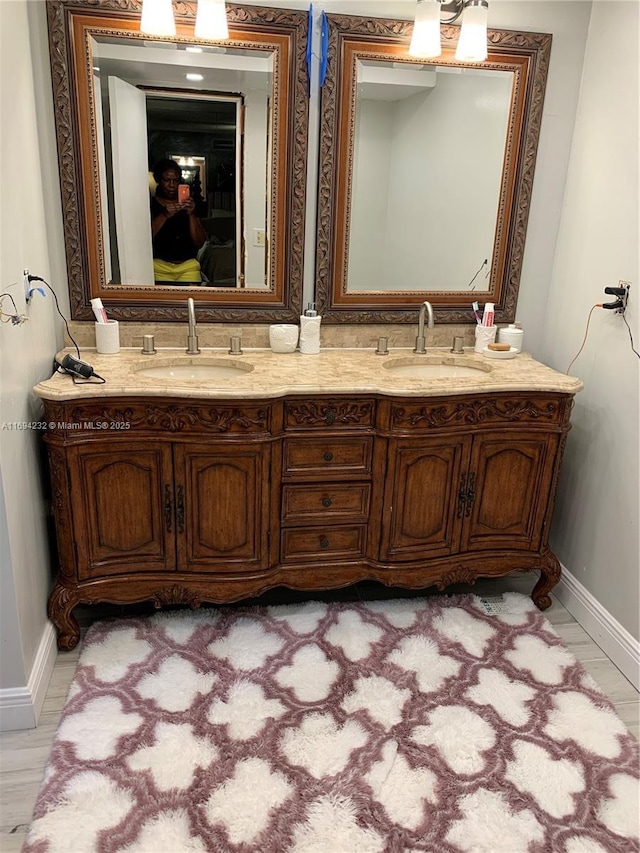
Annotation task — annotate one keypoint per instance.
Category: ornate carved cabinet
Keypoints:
(183, 501)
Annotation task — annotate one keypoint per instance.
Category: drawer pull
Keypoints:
(326, 501)
(324, 543)
(328, 456)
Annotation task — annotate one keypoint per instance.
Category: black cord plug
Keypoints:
(31, 278)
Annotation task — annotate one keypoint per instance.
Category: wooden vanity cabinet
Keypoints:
(177, 507)
(466, 494)
(121, 508)
(222, 501)
(183, 502)
(153, 500)
(327, 470)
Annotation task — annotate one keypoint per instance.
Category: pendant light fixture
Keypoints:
(425, 41)
(157, 18)
(472, 43)
(211, 19)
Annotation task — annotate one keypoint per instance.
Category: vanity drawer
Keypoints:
(327, 456)
(323, 543)
(320, 414)
(309, 504)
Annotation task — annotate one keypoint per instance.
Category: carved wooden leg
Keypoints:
(61, 603)
(549, 576)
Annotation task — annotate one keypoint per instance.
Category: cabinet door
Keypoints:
(508, 488)
(222, 507)
(420, 513)
(122, 508)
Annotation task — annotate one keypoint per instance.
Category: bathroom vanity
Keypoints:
(308, 472)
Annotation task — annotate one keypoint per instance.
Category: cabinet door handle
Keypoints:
(326, 501)
(471, 492)
(180, 509)
(324, 543)
(328, 456)
(168, 508)
(330, 417)
(462, 495)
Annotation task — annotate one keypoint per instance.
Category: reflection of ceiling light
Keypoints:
(157, 18)
(195, 77)
(191, 48)
(472, 43)
(96, 68)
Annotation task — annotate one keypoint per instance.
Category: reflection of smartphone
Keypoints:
(184, 193)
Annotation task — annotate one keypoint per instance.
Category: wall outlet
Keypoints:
(625, 297)
(259, 237)
(27, 285)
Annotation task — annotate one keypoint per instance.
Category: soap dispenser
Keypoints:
(310, 330)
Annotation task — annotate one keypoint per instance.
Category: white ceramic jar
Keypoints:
(511, 335)
(283, 337)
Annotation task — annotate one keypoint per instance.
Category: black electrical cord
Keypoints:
(13, 302)
(483, 264)
(630, 335)
(31, 278)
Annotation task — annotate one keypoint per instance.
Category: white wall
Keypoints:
(596, 533)
(28, 226)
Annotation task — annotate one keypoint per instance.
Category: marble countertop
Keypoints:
(332, 371)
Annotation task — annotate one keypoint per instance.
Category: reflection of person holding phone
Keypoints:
(177, 232)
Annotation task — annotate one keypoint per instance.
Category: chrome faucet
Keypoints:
(424, 308)
(192, 340)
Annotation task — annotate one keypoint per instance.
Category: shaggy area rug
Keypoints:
(437, 724)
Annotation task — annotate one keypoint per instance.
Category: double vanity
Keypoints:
(211, 478)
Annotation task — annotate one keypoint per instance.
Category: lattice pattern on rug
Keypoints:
(398, 726)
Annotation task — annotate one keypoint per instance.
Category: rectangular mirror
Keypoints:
(426, 172)
(183, 162)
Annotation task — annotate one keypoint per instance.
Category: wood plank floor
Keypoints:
(24, 755)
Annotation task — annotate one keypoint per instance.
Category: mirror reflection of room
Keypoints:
(207, 142)
(428, 166)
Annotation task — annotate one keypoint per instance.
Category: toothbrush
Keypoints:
(476, 308)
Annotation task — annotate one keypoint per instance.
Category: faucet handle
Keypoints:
(235, 345)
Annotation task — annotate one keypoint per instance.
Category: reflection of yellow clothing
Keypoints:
(187, 271)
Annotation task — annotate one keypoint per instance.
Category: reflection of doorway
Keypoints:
(202, 132)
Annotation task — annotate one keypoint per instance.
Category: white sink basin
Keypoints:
(433, 369)
(193, 369)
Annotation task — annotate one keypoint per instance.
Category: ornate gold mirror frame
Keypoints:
(354, 41)
(281, 33)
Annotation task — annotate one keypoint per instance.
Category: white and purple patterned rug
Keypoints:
(372, 727)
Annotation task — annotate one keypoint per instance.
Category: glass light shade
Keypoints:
(472, 44)
(157, 18)
(211, 20)
(425, 41)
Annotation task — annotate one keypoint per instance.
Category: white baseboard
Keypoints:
(614, 640)
(20, 707)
